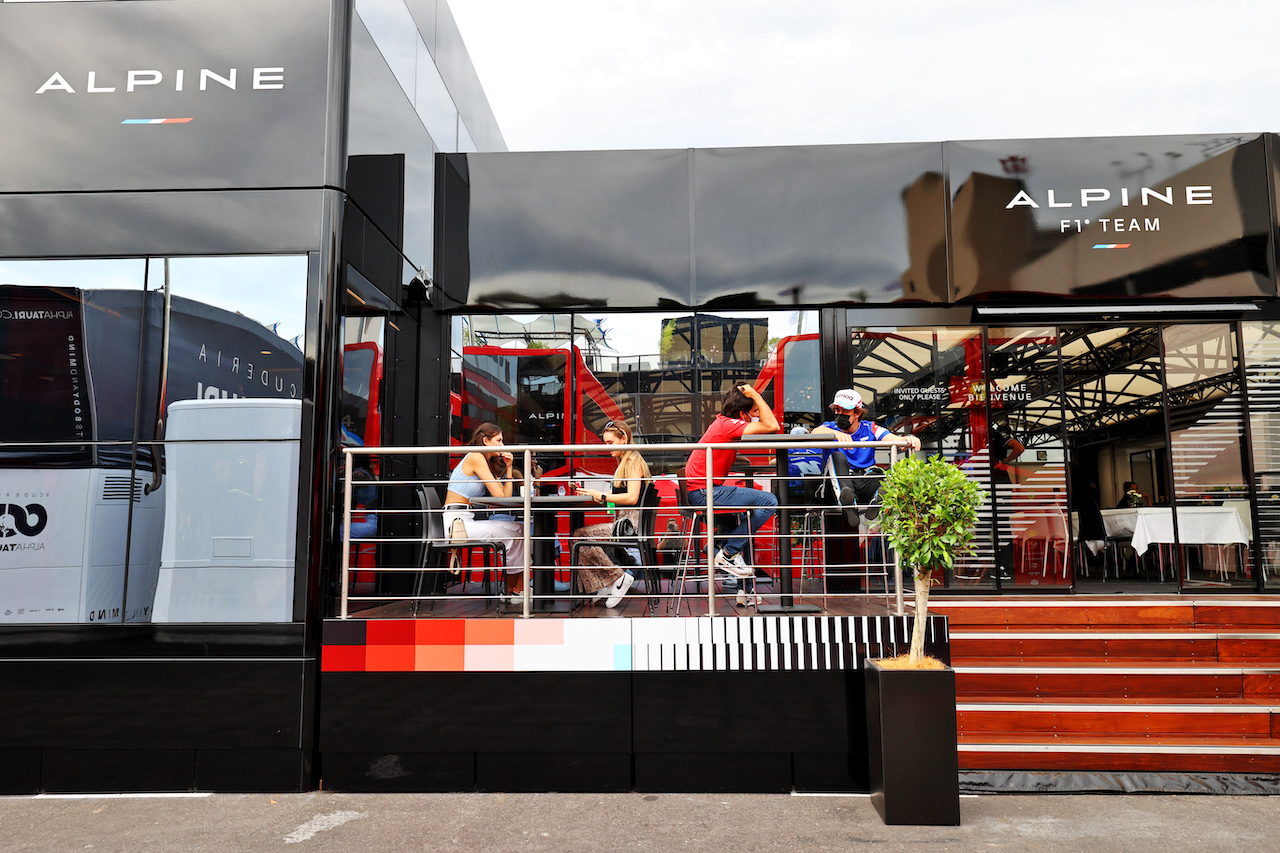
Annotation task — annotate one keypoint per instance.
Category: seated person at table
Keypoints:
(855, 467)
(487, 472)
(597, 573)
(1133, 497)
(739, 409)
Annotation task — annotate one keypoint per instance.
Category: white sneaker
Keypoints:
(619, 590)
(515, 599)
(734, 565)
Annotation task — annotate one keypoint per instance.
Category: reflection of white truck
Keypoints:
(62, 546)
(231, 501)
(70, 363)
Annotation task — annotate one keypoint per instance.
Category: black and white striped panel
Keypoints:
(756, 643)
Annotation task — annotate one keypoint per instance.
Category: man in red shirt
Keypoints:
(739, 409)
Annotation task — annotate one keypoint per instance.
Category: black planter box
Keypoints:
(911, 743)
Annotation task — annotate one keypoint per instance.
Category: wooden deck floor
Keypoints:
(472, 604)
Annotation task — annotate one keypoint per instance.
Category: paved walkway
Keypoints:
(362, 823)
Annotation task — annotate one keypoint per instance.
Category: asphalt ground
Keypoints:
(359, 823)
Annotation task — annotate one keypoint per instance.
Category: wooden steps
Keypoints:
(1109, 684)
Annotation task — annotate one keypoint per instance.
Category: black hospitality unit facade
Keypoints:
(144, 132)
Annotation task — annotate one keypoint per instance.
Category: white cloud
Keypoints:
(573, 74)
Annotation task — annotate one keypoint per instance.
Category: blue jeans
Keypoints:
(761, 504)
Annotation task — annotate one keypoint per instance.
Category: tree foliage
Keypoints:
(929, 510)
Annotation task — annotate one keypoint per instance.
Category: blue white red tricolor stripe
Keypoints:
(1112, 245)
(155, 121)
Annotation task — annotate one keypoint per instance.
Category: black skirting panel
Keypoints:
(19, 771)
(379, 772)
(714, 772)
(29, 771)
(571, 772)
(253, 771)
(181, 723)
(771, 731)
(156, 704)
(475, 712)
(111, 770)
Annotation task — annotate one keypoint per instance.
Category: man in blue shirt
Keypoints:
(855, 467)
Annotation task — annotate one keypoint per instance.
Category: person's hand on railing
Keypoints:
(911, 441)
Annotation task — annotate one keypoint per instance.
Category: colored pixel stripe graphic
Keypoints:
(613, 645)
(156, 121)
(1112, 245)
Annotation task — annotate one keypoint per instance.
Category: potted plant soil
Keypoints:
(928, 514)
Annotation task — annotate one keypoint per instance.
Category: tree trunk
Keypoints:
(923, 581)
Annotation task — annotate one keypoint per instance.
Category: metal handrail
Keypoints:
(527, 451)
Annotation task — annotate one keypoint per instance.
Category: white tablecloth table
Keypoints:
(1197, 525)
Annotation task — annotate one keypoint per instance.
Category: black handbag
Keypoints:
(624, 529)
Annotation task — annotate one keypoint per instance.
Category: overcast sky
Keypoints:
(584, 74)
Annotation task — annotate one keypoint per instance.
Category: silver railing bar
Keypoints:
(527, 450)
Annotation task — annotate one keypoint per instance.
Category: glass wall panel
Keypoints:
(521, 372)
(1262, 373)
(646, 368)
(236, 328)
(396, 35)
(229, 352)
(1206, 424)
(69, 336)
(434, 105)
(1023, 442)
(929, 382)
(1113, 408)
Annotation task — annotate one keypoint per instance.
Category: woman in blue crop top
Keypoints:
(481, 472)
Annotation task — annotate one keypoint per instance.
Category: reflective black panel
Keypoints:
(163, 95)
(1168, 216)
(594, 228)
(383, 122)
(819, 224)
(178, 223)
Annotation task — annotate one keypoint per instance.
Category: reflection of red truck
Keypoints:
(537, 396)
(361, 391)
(791, 381)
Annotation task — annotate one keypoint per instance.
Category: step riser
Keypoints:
(1201, 636)
(966, 651)
(1154, 618)
(1120, 763)
(1167, 726)
(1102, 686)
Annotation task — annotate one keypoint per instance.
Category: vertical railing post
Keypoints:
(527, 493)
(897, 564)
(346, 533)
(708, 485)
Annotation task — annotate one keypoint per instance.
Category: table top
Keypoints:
(517, 501)
(1197, 525)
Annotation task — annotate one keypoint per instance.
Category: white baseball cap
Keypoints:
(847, 398)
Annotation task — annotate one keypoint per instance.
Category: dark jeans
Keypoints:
(762, 506)
(865, 482)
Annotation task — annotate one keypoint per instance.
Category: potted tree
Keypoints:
(928, 515)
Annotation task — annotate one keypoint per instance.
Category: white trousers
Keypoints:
(509, 533)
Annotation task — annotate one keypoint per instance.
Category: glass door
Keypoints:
(1024, 440)
(1206, 429)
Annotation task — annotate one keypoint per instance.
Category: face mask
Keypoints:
(844, 421)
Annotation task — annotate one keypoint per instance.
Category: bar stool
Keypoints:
(695, 545)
